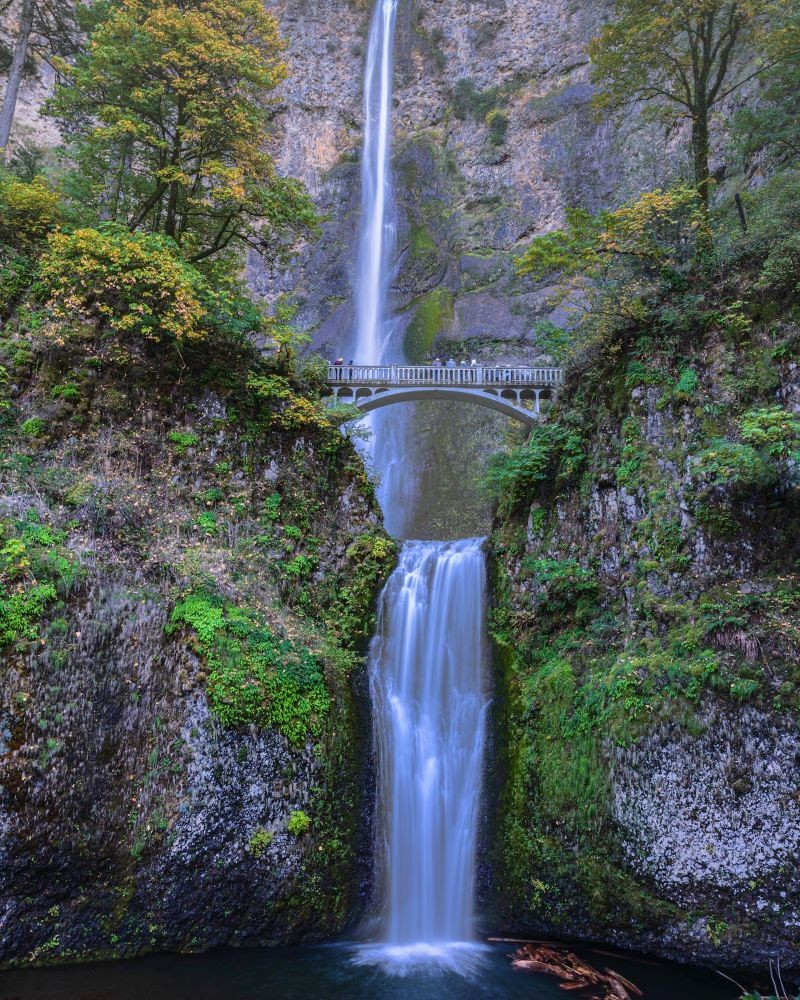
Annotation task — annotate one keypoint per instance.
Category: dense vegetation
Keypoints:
(648, 536)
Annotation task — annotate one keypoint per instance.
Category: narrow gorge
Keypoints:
(441, 699)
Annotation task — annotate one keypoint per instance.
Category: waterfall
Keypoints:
(377, 233)
(427, 684)
(388, 447)
(427, 658)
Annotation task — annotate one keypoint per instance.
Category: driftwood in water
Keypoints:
(574, 972)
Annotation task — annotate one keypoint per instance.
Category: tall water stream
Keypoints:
(427, 659)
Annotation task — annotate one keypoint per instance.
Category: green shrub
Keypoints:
(21, 612)
(183, 440)
(687, 384)
(68, 391)
(35, 427)
(259, 842)
(773, 429)
(497, 123)
(28, 212)
(299, 822)
(728, 463)
(512, 477)
(136, 283)
(207, 523)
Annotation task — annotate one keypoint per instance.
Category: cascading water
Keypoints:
(427, 685)
(427, 659)
(376, 265)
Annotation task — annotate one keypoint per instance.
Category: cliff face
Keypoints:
(647, 619)
(494, 137)
(187, 589)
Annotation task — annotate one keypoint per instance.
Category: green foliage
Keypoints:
(21, 612)
(259, 842)
(656, 232)
(34, 427)
(497, 123)
(167, 112)
(514, 476)
(680, 60)
(254, 677)
(207, 523)
(34, 566)
(770, 436)
(686, 385)
(299, 822)
(469, 102)
(773, 430)
(729, 463)
(183, 441)
(136, 283)
(371, 557)
(560, 583)
(28, 213)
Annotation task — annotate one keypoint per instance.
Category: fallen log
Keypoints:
(574, 972)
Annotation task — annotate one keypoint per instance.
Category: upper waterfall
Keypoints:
(377, 234)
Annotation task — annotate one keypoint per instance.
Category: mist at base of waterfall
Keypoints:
(462, 958)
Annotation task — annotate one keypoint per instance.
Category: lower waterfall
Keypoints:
(428, 685)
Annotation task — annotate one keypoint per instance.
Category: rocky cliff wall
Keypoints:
(186, 591)
(647, 622)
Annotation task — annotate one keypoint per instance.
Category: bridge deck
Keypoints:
(504, 376)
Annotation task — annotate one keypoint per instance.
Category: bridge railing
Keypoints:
(504, 375)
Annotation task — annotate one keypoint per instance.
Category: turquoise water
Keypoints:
(328, 972)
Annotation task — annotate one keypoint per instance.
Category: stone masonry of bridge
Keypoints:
(521, 393)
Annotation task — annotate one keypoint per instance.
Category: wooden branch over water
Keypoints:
(574, 972)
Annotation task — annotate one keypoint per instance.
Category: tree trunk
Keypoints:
(15, 71)
(700, 147)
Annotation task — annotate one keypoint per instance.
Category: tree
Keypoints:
(683, 55)
(167, 114)
(46, 28)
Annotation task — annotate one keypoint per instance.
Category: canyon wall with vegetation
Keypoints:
(190, 551)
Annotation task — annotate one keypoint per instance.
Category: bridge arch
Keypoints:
(505, 402)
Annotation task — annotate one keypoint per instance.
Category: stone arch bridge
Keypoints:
(521, 393)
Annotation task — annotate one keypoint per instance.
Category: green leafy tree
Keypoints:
(683, 57)
(168, 113)
(611, 264)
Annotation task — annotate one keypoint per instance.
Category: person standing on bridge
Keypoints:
(451, 363)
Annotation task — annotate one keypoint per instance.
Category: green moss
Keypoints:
(434, 313)
(422, 245)
(254, 677)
